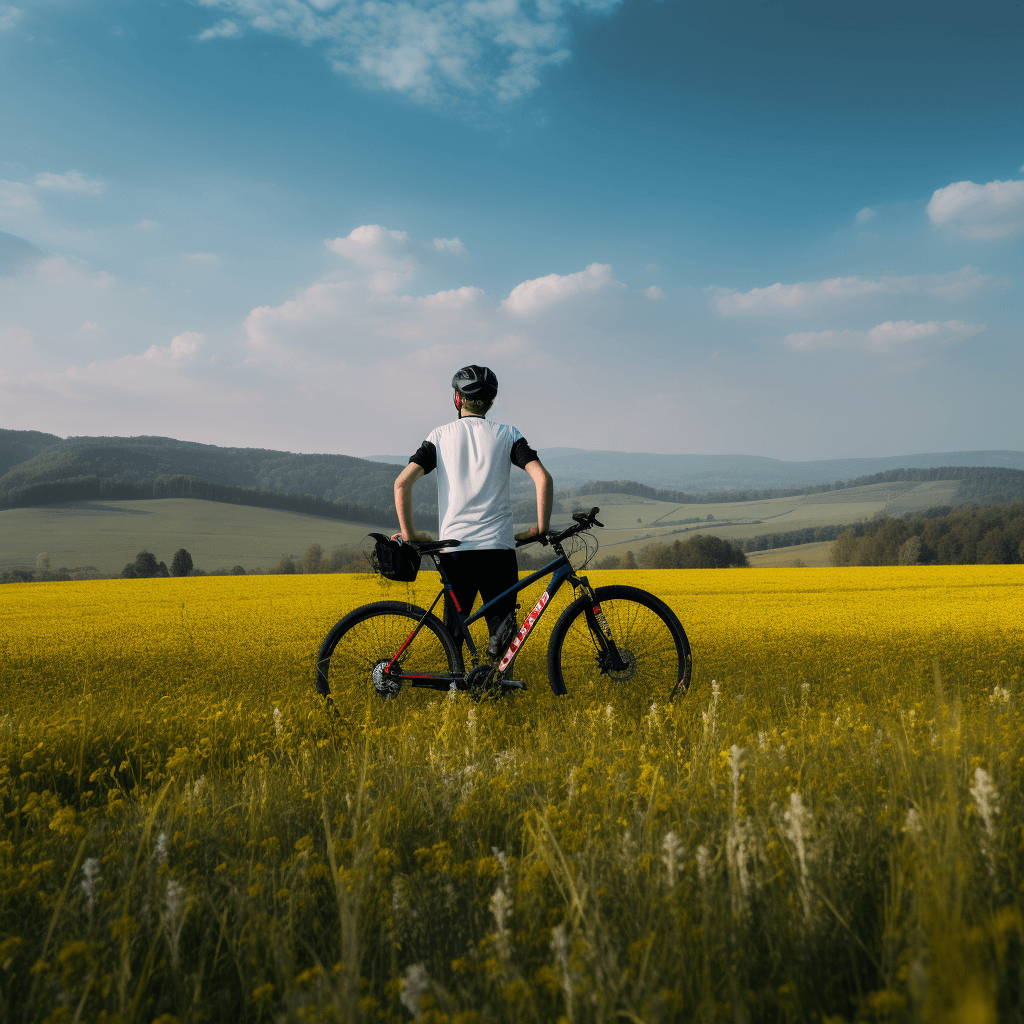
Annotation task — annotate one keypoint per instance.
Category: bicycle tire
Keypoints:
(372, 634)
(660, 660)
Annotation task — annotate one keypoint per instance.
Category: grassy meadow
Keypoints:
(633, 521)
(827, 827)
(107, 534)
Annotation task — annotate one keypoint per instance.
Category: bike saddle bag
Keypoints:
(394, 559)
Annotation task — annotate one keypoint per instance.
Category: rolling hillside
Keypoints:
(107, 535)
(632, 522)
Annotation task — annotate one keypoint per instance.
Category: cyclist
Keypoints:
(473, 458)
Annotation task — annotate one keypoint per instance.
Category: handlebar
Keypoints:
(583, 521)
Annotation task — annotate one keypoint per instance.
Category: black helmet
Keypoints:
(475, 382)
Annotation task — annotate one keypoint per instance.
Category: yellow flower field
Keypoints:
(827, 827)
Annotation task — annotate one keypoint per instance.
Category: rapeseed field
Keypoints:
(827, 827)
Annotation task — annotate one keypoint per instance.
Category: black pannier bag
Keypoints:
(394, 559)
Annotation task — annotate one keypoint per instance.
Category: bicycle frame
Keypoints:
(559, 569)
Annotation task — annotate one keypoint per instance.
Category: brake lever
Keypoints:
(598, 523)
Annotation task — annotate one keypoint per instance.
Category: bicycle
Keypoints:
(621, 633)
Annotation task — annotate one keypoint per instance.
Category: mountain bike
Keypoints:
(619, 635)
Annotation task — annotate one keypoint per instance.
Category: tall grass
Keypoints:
(827, 827)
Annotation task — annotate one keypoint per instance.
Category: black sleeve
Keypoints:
(425, 456)
(522, 453)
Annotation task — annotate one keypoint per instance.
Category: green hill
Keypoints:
(632, 521)
(106, 535)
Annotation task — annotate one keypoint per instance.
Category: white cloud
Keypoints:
(209, 259)
(9, 17)
(226, 29)
(70, 182)
(452, 245)
(654, 293)
(426, 49)
(541, 293)
(884, 337)
(807, 296)
(147, 225)
(865, 214)
(381, 252)
(983, 212)
(17, 197)
(181, 349)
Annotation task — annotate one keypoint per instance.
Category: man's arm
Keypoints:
(403, 502)
(542, 485)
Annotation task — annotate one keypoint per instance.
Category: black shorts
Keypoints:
(486, 573)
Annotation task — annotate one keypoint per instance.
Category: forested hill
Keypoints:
(979, 485)
(40, 468)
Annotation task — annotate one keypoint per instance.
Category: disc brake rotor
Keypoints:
(383, 682)
(629, 669)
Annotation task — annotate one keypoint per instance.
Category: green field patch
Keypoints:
(108, 534)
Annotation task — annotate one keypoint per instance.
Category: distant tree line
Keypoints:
(785, 539)
(959, 537)
(699, 552)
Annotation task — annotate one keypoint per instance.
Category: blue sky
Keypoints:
(777, 228)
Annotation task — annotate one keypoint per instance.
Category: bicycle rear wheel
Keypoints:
(353, 659)
(654, 649)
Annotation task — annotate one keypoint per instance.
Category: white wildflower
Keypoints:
(735, 760)
(999, 695)
(703, 865)
(415, 985)
(710, 717)
(198, 787)
(986, 800)
(671, 855)
(501, 909)
(912, 824)
(797, 827)
(737, 846)
(160, 849)
(504, 759)
(560, 949)
(278, 727)
(90, 880)
(173, 916)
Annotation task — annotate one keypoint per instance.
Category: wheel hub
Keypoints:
(384, 683)
(624, 674)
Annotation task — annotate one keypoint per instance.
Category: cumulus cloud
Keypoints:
(810, 296)
(654, 293)
(983, 212)
(866, 214)
(9, 17)
(541, 293)
(382, 253)
(17, 197)
(426, 49)
(884, 337)
(452, 245)
(70, 182)
(226, 29)
(181, 349)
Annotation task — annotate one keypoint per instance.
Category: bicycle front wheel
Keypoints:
(652, 647)
(353, 659)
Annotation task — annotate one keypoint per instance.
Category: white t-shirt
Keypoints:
(473, 458)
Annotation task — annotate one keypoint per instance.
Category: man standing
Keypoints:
(474, 458)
